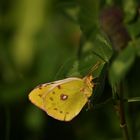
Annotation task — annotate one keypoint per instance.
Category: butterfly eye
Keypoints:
(92, 83)
(95, 80)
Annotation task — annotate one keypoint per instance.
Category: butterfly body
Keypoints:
(63, 99)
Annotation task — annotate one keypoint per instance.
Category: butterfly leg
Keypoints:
(89, 105)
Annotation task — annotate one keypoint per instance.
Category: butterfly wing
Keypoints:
(66, 99)
(36, 95)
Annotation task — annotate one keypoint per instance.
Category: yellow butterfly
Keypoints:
(63, 99)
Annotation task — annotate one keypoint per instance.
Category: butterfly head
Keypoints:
(89, 81)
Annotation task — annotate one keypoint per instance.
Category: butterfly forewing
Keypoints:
(36, 95)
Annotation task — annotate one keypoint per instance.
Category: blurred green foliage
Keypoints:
(43, 41)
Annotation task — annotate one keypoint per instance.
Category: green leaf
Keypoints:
(99, 47)
(121, 65)
(102, 47)
(100, 84)
(73, 72)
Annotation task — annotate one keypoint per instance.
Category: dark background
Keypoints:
(40, 41)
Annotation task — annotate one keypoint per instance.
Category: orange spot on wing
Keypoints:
(51, 98)
(39, 86)
(59, 87)
(61, 112)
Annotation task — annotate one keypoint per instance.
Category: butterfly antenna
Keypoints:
(94, 68)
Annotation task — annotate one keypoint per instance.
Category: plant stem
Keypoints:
(121, 112)
(123, 124)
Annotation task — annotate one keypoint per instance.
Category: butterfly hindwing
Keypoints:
(65, 100)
